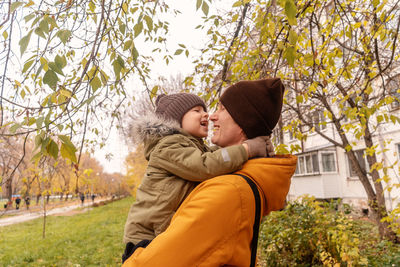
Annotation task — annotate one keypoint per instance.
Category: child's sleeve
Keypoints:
(186, 161)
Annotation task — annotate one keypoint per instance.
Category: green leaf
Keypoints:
(293, 37)
(117, 68)
(289, 55)
(50, 78)
(15, 5)
(66, 140)
(127, 45)
(95, 83)
(52, 149)
(67, 148)
(149, 22)
(44, 26)
(14, 128)
(66, 93)
(178, 51)
(205, 8)
(135, 53)
(60, 61)
(27, 65)
(291, 10)
(40, 33)
(154, 91)
(237, 3)
(67, 153)
(64, 35)
(39, 122)
(23, 43)
(198, 4)
(5, 35)
(138, 28)
(348, 148)
(29, 17)
(55, 68)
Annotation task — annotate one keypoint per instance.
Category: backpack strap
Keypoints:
(257, 219)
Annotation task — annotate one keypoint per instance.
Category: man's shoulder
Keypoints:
(227, 181)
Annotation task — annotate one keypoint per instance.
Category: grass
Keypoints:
(93, 238)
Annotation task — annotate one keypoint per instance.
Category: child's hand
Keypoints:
(257, 147)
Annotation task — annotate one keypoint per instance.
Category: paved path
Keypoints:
(36, 214)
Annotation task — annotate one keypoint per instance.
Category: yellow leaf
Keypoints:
(125, 7)
(30, 3)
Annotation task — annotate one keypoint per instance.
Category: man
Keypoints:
(214, 225)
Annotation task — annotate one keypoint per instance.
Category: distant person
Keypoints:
(178, 160)
(27, 202)
(93, 197)
(17, 202)
(82, 198)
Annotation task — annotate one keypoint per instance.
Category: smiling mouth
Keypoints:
(204, 123)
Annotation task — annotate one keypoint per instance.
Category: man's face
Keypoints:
(226, 131)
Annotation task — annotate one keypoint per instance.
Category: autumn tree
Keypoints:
(136, 166)
(65, 65)
(338, 60)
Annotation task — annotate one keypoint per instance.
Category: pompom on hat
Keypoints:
(175, 106)
(255, 105)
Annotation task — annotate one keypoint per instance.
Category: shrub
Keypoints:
(308, 233)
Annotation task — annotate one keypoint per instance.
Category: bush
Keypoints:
(309, 233)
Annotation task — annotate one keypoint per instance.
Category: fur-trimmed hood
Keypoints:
(152, 126)
(150, 129)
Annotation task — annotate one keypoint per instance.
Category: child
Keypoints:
(178, 160)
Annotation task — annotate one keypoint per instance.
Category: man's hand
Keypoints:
(260, 146)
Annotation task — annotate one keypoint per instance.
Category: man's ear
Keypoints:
(243, 136)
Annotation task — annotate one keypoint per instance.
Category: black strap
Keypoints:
(256, 225)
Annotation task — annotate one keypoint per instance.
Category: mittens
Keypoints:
(260, 146)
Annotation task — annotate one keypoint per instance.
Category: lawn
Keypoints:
(92, 238)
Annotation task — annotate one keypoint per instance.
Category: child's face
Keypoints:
(195, 122)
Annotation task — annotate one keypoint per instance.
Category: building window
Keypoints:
(318, 119)
(394, 90)
(276, 135)
(328, 162)
(307, 164)
(361, 160)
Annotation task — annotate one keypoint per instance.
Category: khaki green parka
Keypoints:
(177, 162)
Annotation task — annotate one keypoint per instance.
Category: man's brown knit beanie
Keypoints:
(255, 105)
(174, 106)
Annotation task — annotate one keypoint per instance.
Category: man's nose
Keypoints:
(213, 117)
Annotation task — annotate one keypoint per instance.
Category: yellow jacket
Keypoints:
(214, 225)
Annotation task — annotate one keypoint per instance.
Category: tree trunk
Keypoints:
(378, 204)
(8, 189)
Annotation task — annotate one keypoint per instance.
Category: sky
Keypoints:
(182, 31)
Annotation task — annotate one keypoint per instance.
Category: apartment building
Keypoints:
(324, 170)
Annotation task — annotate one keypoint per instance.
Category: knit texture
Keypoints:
(175, 106)
(255, 105)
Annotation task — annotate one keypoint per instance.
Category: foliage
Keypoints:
(338, 61)
(93, 238)
(308, 233)
(136, 167)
